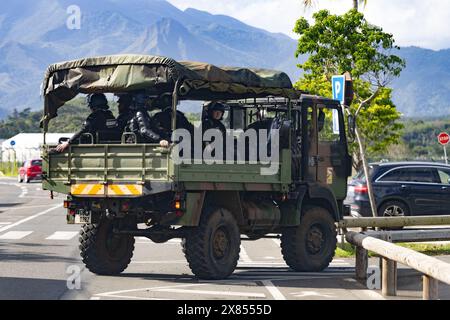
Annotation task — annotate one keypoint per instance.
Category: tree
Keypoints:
(356, 3)
(348, 43)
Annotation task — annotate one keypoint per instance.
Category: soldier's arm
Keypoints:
(145, 128)
(86, 127)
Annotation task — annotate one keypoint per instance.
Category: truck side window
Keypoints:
(325, 126)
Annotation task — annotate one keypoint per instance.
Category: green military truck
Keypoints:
(119, 190)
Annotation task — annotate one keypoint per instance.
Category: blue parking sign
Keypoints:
(338, 83)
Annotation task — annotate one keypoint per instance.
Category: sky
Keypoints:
(419, 23)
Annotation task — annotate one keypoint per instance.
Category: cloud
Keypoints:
(413, 22)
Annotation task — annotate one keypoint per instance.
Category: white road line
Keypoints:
(106, 294)
(24, 207)
(15, 235)
(29, 218)
(215, 293)
(24, 192)
(62, 235)
(276, 294)
(243, 256)
(129, 297)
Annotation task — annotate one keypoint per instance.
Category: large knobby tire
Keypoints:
(104, 252)
(212, 249)
(310, 247)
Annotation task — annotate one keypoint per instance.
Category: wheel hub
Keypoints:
(315, 240)
(394, 211)
(220, 243)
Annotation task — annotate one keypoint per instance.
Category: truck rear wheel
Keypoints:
(212, 248)
(104, 252)
(310, 246)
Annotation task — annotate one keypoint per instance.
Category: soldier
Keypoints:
(142, 125)
(213, 115)
(125, 112)
(101, 118)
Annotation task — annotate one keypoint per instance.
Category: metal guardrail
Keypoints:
(392, 222)
(433, 269)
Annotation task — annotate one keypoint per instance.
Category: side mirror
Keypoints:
(351, 126)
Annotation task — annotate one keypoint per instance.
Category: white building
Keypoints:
(26, 146)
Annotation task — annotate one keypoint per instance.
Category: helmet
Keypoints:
(124, 98)
(97, 100)
(215, 106)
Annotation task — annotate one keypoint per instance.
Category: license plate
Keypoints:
(82, 216)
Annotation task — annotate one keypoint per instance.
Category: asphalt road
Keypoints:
(39, 259)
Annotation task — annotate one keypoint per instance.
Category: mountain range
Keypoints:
(34, 34)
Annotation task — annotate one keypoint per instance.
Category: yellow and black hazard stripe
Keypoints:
(85, 189)
(120, 190)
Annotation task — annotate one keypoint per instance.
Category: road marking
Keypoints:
(24, 207)
(30, 218)
(24, 192)
(105, 294)
(128, 297)
(62, 235)
(243, 256)
(303, 294)
(216, 293)
(15, 235)
(276, 294)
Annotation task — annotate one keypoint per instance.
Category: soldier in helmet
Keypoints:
(101, 118)
(212, 116)
(125, 110)
(213, 112)
(142, 124)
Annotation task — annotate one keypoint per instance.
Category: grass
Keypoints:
(346, 250)
(9, 169)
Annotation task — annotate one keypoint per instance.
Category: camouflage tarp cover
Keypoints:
(123, 73)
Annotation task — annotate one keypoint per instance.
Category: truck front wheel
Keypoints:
(104, 252)
(310, 246)
(212, 248)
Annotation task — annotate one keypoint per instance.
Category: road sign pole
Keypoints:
(445, 154)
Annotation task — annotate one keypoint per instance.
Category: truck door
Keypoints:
(327, 159)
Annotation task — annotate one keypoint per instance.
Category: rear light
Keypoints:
(125, 206)
(66, 204)
(361, 189)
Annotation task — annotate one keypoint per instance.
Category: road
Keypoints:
(39, 259)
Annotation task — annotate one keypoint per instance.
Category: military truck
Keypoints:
(120, 190)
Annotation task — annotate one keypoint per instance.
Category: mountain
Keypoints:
(423, 89)
(34, 34)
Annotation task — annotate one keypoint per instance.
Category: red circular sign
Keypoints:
(444, 138)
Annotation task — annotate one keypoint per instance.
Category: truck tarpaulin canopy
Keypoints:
(125, 73)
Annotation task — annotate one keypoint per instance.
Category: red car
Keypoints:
(30, 170)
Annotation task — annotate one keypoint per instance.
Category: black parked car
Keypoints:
(403, 189)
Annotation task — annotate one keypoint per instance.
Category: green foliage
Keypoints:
(17, 122)
(348, 43)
